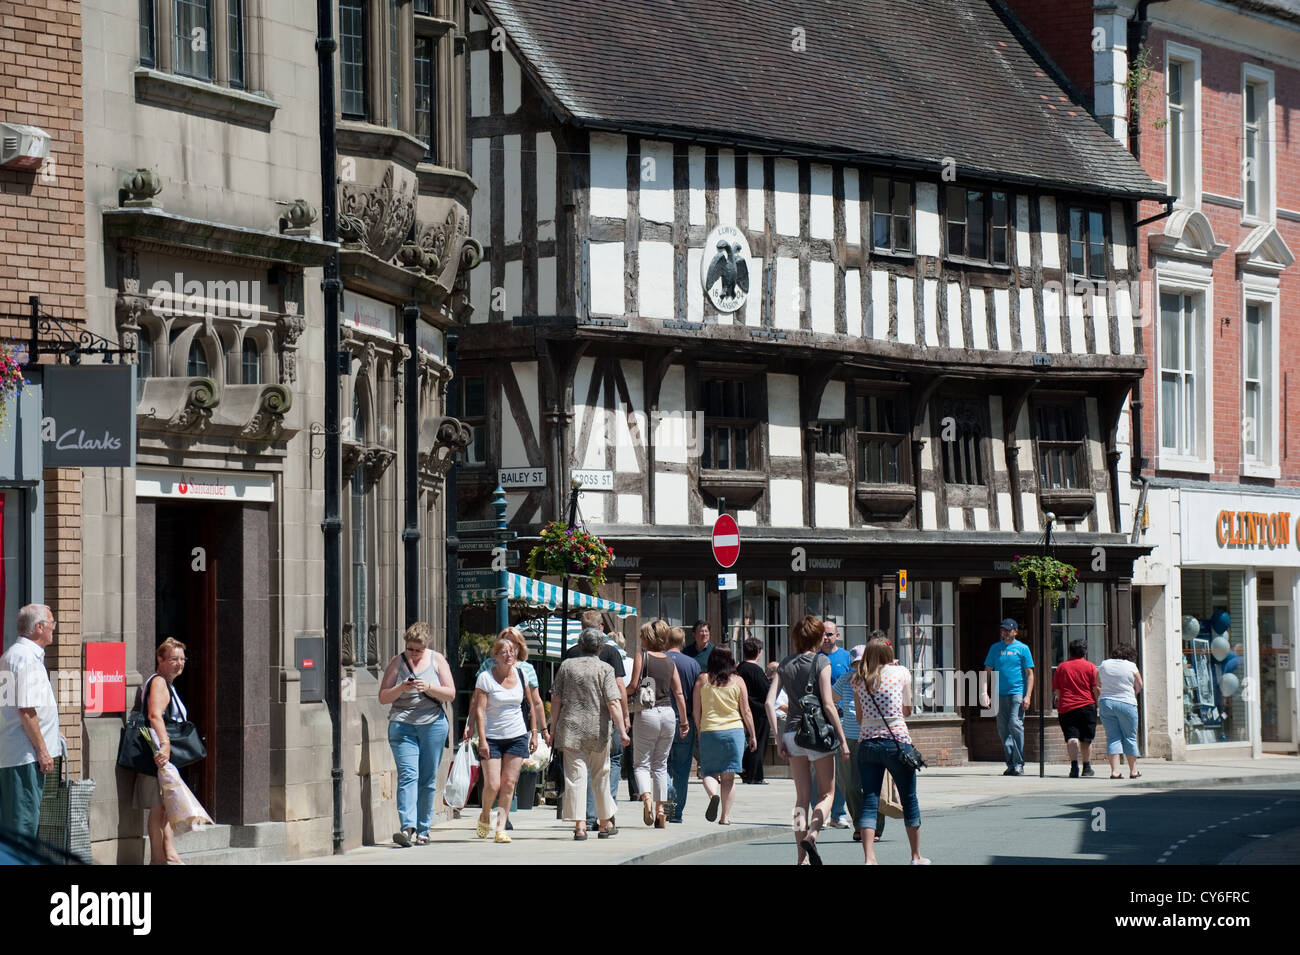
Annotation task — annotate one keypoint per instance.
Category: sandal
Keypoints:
(580, 836)
(422, 840)
(483, 828)
(711, 814)
(810, 847)
(1114, 776)
(1135, 776)
(606, 833)
(647, 812)
(502, 836)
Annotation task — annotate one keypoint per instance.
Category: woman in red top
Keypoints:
(1075, 688)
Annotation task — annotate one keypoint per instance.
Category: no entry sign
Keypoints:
(726, 540)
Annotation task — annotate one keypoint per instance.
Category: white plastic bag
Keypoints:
(456, 793)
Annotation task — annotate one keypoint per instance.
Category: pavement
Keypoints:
(540, 839)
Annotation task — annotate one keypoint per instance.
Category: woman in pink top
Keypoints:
(882, 693)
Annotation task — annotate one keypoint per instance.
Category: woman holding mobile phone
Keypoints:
(416, 683)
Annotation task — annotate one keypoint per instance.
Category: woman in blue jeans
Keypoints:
(882, 694)
(416, 683)
(1117, 706)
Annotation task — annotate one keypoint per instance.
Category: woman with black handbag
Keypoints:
(813, 734)
(883, 696)
(163, 704)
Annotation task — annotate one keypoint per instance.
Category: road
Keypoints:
(1201, 826)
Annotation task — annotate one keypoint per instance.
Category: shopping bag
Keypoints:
(184, 811)
(459, 783)
(890, 804)
(65, 811)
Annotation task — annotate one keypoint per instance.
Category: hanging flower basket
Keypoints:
(12, 381)
(1053, 579)
(567, 551)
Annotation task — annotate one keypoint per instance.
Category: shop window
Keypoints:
(1215, 664)
(757, 608)
(1182, 384)
(1086, 621)
(679, 602)
(730, 424)
(960, 431)
(881, 433)
(1062, 463)
(977, 224)
(1087, 230)
(926, 647)
(891, 214)
(844, 601)
(352, 57)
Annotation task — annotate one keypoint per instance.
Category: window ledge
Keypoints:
(370, 141)
(977, 264)
(1068, 504)
(1261, 471)
(1174, 462)
(878, 253)
(886, 500)
(204, 99)
(738, 487)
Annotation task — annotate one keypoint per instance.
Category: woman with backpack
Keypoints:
(883, 695)
(813, 734)
(657, 691)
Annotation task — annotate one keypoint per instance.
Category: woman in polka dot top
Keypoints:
(882, 692)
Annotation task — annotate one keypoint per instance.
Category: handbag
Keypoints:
(908, 754)
(646, 691)
(812, 730)
(65, 812)
(135, 753)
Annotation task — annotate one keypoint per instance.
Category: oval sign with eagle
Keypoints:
(725, 268)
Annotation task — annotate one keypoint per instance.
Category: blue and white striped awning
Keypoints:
(538, 593)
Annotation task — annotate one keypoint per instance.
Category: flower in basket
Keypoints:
(1052, 578)
(569, 551)
(12, 381)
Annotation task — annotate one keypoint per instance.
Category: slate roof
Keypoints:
(906, 83)
(1284, 9)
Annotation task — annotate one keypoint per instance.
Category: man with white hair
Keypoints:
(29, 721)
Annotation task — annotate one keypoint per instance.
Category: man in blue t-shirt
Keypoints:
(840, 662)
(1014, 665)
(679, 757)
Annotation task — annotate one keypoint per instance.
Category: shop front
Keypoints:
(1238, 586)
(941, 626)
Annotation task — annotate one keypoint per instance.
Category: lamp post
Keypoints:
(503, 605)
(1044, 624)
(575, 488)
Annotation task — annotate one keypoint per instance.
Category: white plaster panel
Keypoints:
(1051, 239)
(629, 508)
(821, 210)
(979, 323)
(674, 432)
(747, 518)
(514, 299)
(1118, 247)
(1101, 324)
(695, 165)
(654, 295)
(783, 416)
(512, 442)
(481, 204)
(1103, 514)
(594, 455)
(1023, 250)
(787, 502)
(880, 304)
(830, 505)
(608, 176)
(709, 515)
(480, 90)
(956, 337)
(853, 302)
(852, 208)
(1028, 326)
(1096, 453)
(512, 154)
(927, 453)
(787, 196)
(788, 304)
(671, 499)
(1124, 317)
(1006, 520)
(822, 279)
(906, 295)
(514, 501)
(477, 21)
(726, 187)
(753, 308)
(981, 518)
(526, 376)
(929, 510)
(997, 451)
(927, 219)
(546, 295)
(1029, 507)
(511, 84)
(625, 459)
(756, 198)
(930, 302)
(1002, 318)
(694, 290)
(656, 181)
(606, 279)
(480, 295)
(1052, 320)
(832, 406)
(1078, 344)
(545, 187)
(956, 518)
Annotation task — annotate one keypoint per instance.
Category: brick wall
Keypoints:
(42, 253)
(1063, 28)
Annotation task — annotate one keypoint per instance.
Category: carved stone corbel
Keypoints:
(401, 354)
(349, 631)
(352, 453)
(268, 421)
(441, 441)
(372, 644)
(376, 461)
(196, 410)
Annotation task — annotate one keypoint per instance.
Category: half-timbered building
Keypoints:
(863, 276)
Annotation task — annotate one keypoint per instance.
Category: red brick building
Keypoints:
(42, 254)
(1207, 96)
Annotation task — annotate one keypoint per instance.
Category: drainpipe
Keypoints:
(411, 533)
(332, 525)
(449, 507)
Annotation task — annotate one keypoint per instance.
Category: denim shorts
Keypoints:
(508, 747)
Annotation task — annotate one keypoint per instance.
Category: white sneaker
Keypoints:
(841, 822)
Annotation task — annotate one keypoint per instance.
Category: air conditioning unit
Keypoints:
(23, 147)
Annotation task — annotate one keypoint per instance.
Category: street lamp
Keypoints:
(1044, 624)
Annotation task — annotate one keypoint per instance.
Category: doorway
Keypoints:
(1277, 692)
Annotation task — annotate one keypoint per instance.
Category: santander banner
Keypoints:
(105, 688)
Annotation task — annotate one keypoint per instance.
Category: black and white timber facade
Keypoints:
(926, 340)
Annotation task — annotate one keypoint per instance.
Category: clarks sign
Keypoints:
(88, 417)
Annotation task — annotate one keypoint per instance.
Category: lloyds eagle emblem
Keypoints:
(725, 268)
